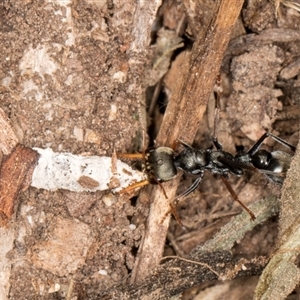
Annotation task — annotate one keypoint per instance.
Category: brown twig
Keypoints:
(181, 120)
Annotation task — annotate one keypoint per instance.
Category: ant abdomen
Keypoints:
(277, 162)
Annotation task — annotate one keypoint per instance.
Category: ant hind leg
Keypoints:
(235, 197)
(267, 134)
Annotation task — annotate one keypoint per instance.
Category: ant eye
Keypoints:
(160, 162)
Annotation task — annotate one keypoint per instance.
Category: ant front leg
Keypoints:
(134, 186)
(191, 188)
(177, 199)
(257, 145)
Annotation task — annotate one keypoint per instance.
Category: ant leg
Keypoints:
(134, 186)
(176, 216)
(235, 197)
(257, 145)
(187, 192)
(130, 155)
(173, 211)
(217, 144)
(192, 187)
(282, 142)
(183, 144)
(160, 185)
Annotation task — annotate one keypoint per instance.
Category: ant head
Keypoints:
(159, 163)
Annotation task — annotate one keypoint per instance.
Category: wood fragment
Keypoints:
(13, 172)
(146, 12)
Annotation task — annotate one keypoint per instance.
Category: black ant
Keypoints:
(161, 163)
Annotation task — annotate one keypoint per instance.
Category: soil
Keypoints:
(74, 80)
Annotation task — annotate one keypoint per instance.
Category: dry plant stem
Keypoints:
(272, 285)
(181, 120)
(186, 108)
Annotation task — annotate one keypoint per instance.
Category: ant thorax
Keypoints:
(222, 163)
(192, 160)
